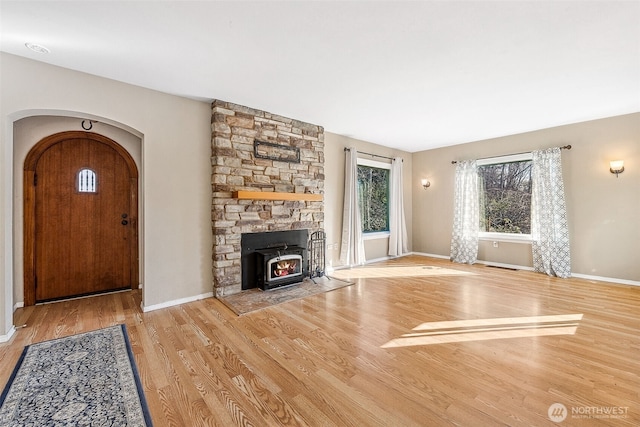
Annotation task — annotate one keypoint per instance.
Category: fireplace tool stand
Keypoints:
(317, 255)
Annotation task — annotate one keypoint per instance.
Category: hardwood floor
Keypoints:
(372, 354)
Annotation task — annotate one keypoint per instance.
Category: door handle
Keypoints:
(124, 222)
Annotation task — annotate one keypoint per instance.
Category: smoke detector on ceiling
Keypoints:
(37, 48)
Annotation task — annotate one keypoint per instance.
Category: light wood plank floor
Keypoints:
(372, 354)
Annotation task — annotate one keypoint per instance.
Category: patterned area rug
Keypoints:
(88, 379)
(256, 299)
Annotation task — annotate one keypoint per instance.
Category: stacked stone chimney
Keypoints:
(236, 168)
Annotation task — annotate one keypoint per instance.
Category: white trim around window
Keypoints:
(380, 165)
(505, 159)
(505, 237)
(373, 163)
(375, 235)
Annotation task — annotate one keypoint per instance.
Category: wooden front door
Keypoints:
(84, 217)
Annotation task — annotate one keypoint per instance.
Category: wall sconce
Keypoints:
(616, 166)
(425, 183)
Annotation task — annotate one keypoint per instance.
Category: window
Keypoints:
(505, 197)
(87, 182)
(373, 195)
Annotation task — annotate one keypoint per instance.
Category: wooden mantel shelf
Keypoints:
(270, 195)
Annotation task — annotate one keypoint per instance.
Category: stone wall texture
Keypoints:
(234, 129)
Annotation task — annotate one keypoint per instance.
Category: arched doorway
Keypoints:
(80, 217)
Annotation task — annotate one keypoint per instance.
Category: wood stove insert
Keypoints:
(257, 249)
(279, 266)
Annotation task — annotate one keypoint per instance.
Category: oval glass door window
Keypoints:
(87, 181)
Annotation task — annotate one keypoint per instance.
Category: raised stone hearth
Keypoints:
(288, 159)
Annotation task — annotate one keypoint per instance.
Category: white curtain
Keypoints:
(397, 223)
(352, 247)
(549, 229)
(466, 213)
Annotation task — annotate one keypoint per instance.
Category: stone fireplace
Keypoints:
(268, 176)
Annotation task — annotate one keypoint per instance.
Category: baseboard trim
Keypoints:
(527, 268)
(167, 304)
(384, 258)
(501, 265)
(606, 279)
(6, 337)
(18, 305)
(429, 255)
(490, 263)
(342, 267)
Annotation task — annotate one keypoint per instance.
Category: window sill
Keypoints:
(504, 237)
(374, 236)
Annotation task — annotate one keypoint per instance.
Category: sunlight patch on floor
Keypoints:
(488, 329)
(404, 271)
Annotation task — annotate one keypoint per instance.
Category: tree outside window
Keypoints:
(373, 198)
(505, 197)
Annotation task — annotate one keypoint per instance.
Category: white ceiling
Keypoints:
(412, 75)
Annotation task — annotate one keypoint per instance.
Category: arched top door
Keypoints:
(80, 193)
(45, 143)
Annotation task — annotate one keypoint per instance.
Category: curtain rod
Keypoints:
(371, 154)
(564, 147)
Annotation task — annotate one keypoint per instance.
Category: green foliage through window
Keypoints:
(373, 198)
(505, 197)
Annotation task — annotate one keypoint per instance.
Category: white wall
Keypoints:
(175, 172)
(602, 210)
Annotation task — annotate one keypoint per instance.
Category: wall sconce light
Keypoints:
(425, 183)
(616, 166)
